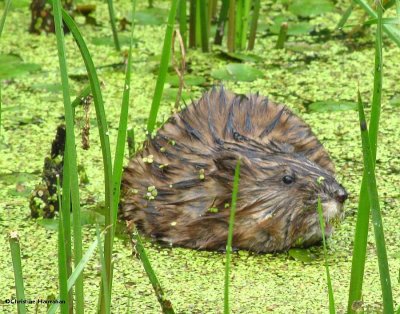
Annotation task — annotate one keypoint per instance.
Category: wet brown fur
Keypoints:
(207, 138)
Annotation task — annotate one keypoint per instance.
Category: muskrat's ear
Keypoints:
(226, 164)
(280, 147)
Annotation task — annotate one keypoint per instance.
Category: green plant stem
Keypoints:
(105, 288)
(245, 23)
(77, 272)
(192, 24)
(2, 22)
(19, 279)
(122, 127)
(212, 9)
(131, 142)
(113, 26)
(231, 26)
(238, 23)
(204, 26)
(198, 24)
(103, 134)
(162, 74)
(66, 210)
(183, 21)
(223, 15)
(166, 305)
(230, 236)
(391, 31)
(254, 24)
(280, 43)
(328, 276)
(62, 256)
(3, 17)
(361, 232)
(119, 157)
(70, 155)
(376, 214)
(345, 16)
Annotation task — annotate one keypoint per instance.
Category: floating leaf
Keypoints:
(49, 224)
(52, 87)
(12, 66)
(20, 4)
(239, 56)
(109, 41)
(90, 217)
(17, 177)
(302, 255)
(152, 16)
(307, 8)
(237, 72)
(331, 105)
(191, 80)
(395, 101)
(170, 94)
(298, 29)
(294, 28)
(18, 107)
(20, 189)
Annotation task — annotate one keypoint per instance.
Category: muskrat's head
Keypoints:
(278, 197)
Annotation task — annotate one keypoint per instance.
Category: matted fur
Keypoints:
(189, 167)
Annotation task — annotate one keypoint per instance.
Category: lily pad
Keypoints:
(91, 217)
(239, 56)
(395, 101)
(17, 177)
(20, 4)
(302, 255)
(109, 41)
(307, 8)
(331, 106)
(12, 66)
(49, 224)
(237, 72)
(20, 189)
(294, 28)
(51, 87)
(191, 80)
(170, 94)
(151, 16)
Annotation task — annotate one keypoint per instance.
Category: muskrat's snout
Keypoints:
(341, 194)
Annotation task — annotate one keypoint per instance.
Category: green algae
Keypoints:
(193, 280)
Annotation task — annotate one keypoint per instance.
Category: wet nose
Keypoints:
(341, 195)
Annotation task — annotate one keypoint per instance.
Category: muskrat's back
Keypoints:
(178, 187)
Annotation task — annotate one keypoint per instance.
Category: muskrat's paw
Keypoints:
(222, 249)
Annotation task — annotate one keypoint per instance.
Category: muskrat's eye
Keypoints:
(288, 179)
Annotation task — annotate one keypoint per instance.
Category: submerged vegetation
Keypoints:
(311, 55)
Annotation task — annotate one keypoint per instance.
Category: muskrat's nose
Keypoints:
(341, 195)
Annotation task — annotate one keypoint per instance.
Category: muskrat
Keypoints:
(178, 188)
